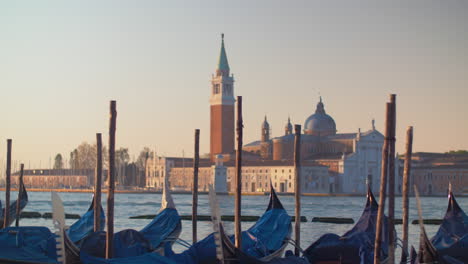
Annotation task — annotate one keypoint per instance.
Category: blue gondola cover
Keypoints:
(162, 226)
(28, 243)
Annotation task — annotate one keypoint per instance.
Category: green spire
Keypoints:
(223, 64)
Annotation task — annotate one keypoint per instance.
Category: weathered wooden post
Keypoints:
(237, 204)
(20, 192)
(406, 186)
(97, 184)
(196, 161)
(391, 184)
(6, 218)
(297, 186)
(111, 179)
(383, 184)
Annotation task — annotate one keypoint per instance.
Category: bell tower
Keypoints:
(222, 107)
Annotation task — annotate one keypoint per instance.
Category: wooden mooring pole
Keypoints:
(297, 187)
(97, 184)
(391, 184)
(196, 161)
(406, 186)
(6, 218)
(383, 184)
(237, 204)
(20, 192)
(111, 182)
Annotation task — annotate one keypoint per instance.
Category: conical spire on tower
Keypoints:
(223, 65)
(288, 127)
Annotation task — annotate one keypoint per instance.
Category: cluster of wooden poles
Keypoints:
(6, 216)
(388, 175)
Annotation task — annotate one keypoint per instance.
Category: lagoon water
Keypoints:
(127, 205)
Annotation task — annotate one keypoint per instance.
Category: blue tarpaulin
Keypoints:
(27, 243)
(32, 243)
(85, 225)
(162, 227)
(266, 236)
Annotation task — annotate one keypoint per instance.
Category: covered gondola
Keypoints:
(265, 240)
(450, 243)
(134, 245)
(232, 255)
(37, 245)
(357, 245)
(23, 201)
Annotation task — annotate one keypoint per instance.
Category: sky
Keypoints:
(61, 62)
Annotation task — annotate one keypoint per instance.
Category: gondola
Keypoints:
(23, 200)
(265, 240)
(232, 255)
(357, 245)
(450, 243)
(37, 245)
(161, 232)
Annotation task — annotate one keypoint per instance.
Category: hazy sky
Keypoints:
(62, 61)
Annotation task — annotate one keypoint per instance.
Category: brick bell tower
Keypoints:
(222, 108)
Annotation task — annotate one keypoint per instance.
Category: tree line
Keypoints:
(129, 173)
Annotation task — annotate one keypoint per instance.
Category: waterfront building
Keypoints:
(55, 178)
(433, 172)
(256, 175)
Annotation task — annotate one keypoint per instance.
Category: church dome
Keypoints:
(320, 124)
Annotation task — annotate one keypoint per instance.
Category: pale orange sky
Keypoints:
(61, 62)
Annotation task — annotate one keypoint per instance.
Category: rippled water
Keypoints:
(127, 205)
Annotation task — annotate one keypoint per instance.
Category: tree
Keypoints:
(58, 163)
(74, 160)
(121, 157)
(145, 154)
(84, 156)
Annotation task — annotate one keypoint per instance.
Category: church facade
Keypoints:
(353, 159)
(331, 162)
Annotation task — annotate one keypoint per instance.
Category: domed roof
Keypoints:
(320, 124)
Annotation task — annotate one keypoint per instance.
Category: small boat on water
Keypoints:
(357, 245)
(132, 245)
(450, 243)
(37, 244)
(23, 201)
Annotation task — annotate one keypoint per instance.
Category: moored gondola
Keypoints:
(451, 240)
(37, 245)
(357, 245)
(265, 240)
(23, 201)
(232, 255)
(161, 232)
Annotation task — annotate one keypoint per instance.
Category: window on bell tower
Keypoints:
(216, 89)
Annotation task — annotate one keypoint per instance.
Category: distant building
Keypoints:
(55, 178)
(256, 175)
(432, 173)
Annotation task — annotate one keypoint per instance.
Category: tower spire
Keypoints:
(223, 65)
